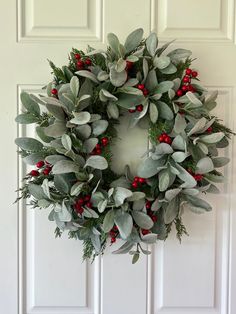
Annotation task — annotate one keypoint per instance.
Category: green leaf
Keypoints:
(56, 130)
(76, 188)
(81, 118)
(136, 196)
(151, 43)
(113, 42)
(108, 221)
(29, 104)
(163, 87)
(193, 99)
(135, 257)
(33, 158)
(179, 156)
(56, 111)
(204, 165)
(36, 191)
(113, 111)
(65, 166)
(197, 202)
(151, 80)
(220, 161)
(99, 127)
(42, 136)
(142, 219)
(53, 159)
(133, 40)
(97, 162)
(164, 111)
(90, 144)
(170, 194)
(198, 126)
(171, 211)
(127, 100)
(179, 54)
(29, 144)
(212, 138)
(178, 143)
(26, 118)
(105, 96)
(164, 180)
(189, 181)
(180, 123)
(149, 239)
(66, 141)
(74, 85)
(149, 167)
(125, 248)
(87, 74)
(153, 112)
(161, 62)
(170, 69)
(163, 149)
(117, 78)
(64, 215)
(124, 223)
(120, 194)
(61, 183)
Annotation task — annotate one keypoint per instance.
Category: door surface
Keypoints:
(41, 274)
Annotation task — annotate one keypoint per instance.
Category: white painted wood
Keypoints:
(196, 277)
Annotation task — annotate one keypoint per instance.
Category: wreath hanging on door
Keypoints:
(75, 126)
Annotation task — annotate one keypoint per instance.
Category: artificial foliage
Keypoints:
(75, 125)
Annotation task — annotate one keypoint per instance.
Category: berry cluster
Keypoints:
(138, 108)
(98, 148)
(81, 202)
(138, 182)
(164, 138)
(114, 233)
(45, 168)
(143, 89)
(198, 177)
(81, 64)
(186, 83)
(150, 212)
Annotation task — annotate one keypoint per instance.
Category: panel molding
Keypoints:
(90, 31)
(26, 252)
(222, 245)
(224, 33)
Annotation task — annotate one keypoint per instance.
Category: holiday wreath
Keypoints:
(76, 128)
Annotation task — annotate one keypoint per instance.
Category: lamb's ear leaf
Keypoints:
(124, 223)
(133, 40)
(29, 144)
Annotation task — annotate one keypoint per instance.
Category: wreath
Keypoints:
(76, 128)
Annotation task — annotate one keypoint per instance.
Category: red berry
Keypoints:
(79, 209)
(161, 138)
(40, 164)
(179, 93)
(139, 108)
(135, 185)
(141, 86)
(80, 201)
(186, 79)
(54, 91)
(188, 71)
(184, 88)
(77, 56)
(164, 135)
(104, 141)
(148, 204)
(129, 65)
(87, 198)
(145, 92)
(34, 173)
(115, 228)
(98, 151)
(136, 179)
(198, 177)
(209, 130)
(88, 62)
(194, 74)
(141, 180)
(113, 240)
(80, 64)
(132, 110)
(145, 231)
(47, 171)
(98, 146)
(154, 218)
(191, 89)
(89, 204)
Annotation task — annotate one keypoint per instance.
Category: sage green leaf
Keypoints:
(64, 215)
(90, 144)
(81, 118)
(130, 90)
(153, 112)
(171, 211)
(213, 189)
(149, 167)
(113, 42)
(84, 131)
(128, 101)
(120, 65)
(87, 74)
(117, 78)
(67, 72)
(179, 143)
(66, 141)
(96, 162)
(180, 124)
(102, 76)
(163, 149)
(61, 183)
(164, 111)
(44, 203)
(41, 134)
(179, 54)
(156, 205)
(56, 130)
(151, 80)
(36, 191)
(33, 158)
(26, 118)
(198, 126)
(197, 202)
(136, 196)
(56, 111)
(193, 99)
(142, 219)
(99, 127)
(108, 221)
(190, 192)
(104, 95)
(163, 87)
(170, 194)
(149, 239)
(120, 194)
(133, 40)
(29, 144)
(171, 69)
(65, 166)
(29, 104)
(76, 188)
(212, 138)
(113, 111)
(125, 248)
(204, 165)
(179, 156)
(102, 206)
(135, 257)
(161, 62)
(220, 161)
(74, 85)
(151, 44)
(124, 223)
(214, 178)
(164, 180)
(139, 204)
(53, 159)
(189, 181)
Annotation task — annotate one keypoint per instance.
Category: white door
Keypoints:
(40, 274)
